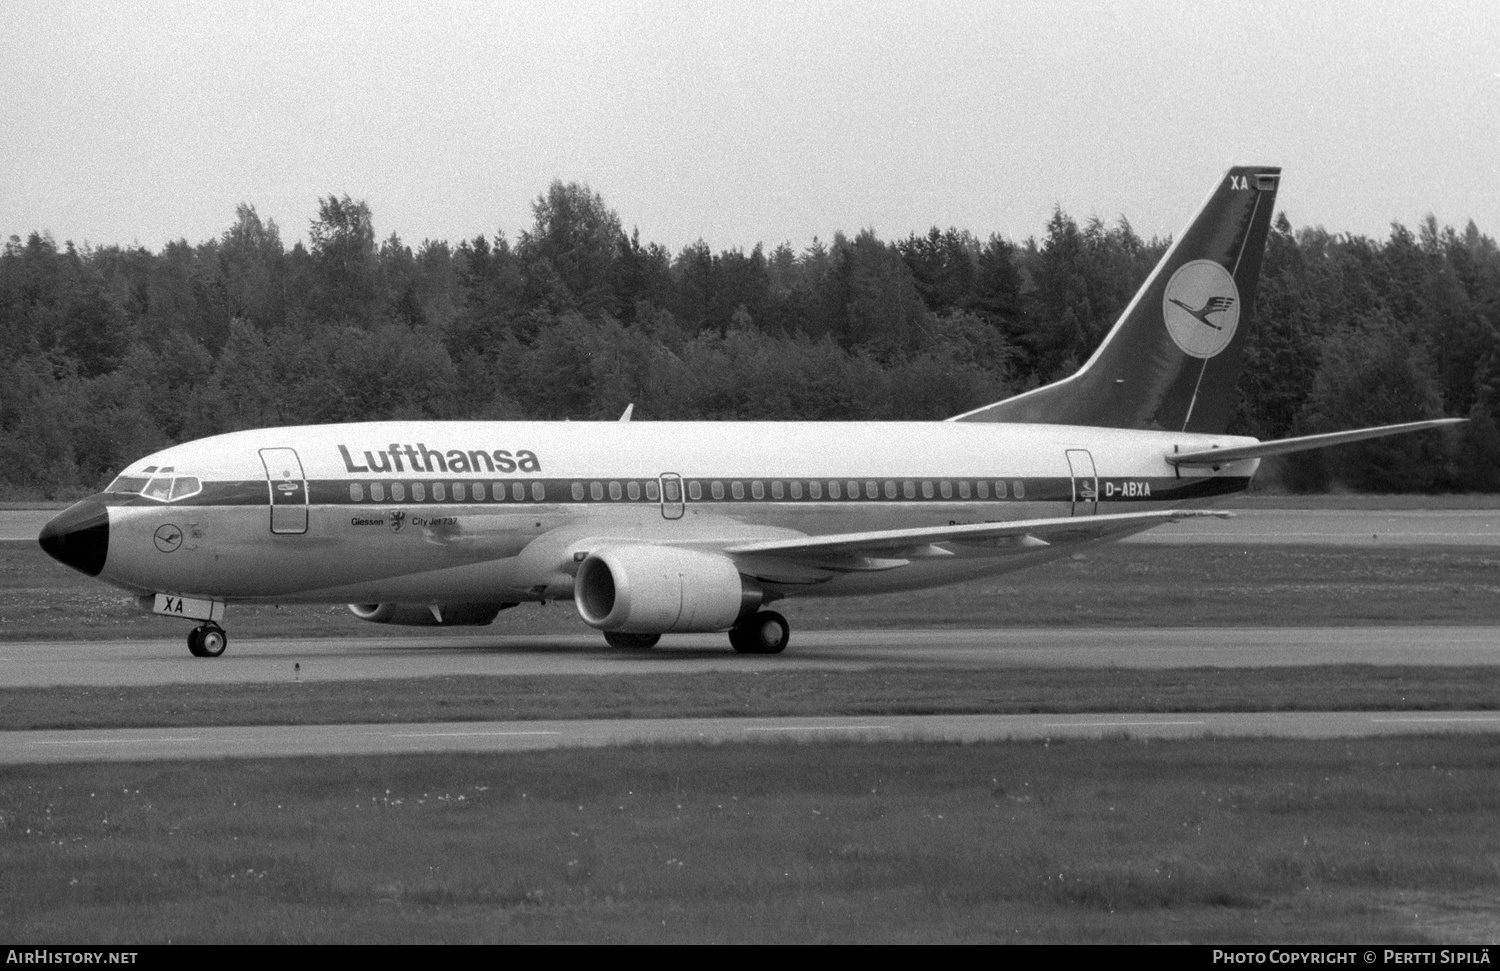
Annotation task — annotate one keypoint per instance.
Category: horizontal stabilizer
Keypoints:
(903, 542)
(1286, 446)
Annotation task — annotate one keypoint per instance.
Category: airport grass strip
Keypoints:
(1212, 840)
(902, 691)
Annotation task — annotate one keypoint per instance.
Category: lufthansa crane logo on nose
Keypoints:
(1202, 308)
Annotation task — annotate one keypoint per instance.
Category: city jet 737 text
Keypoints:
(653, 528)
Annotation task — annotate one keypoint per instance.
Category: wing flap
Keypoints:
(1001, 538)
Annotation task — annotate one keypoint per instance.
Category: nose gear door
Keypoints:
(288, 490)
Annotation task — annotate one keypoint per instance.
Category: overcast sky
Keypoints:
(740, 123)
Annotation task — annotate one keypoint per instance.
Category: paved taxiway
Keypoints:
(1317, 527)
(497, 737)
(439, 653)
(427, 654)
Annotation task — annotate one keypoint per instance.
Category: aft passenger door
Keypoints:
(288, 490)
(1085, 482)
(671, 496)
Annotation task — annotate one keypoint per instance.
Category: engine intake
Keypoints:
(429, 615)
(661, 589)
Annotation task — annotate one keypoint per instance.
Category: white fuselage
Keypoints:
(503, 511)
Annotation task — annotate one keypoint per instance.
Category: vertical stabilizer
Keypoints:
(1172, 359)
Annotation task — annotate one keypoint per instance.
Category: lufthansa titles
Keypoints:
(420, 458)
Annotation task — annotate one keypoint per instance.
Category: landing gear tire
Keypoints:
(766, 632)
(634, 642)
(207, 641)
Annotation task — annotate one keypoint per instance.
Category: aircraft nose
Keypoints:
(79, 536)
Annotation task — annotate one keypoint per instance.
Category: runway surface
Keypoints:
(430, 654)
(1409, 527)
(497, 737)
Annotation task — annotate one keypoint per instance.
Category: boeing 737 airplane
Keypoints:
(661, 527)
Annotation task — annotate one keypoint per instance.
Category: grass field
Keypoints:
(1388, 840)
(885, 691)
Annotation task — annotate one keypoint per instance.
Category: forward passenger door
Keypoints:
(288, 489)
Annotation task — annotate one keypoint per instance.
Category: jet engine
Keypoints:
(429, 615)
(661, 589)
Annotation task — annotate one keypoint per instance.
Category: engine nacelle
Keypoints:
(429, 615)
(661, 589)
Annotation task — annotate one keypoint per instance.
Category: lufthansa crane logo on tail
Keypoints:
(1202, 308)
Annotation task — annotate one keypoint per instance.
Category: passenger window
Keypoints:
(737, 489)
(716, 489)
(999, 488)
(439, 492)
(418, 492)
(963, 489)
(908, 489)
(377, 492)
(596, 490)
(872, 489)
(796, 489)
(458, 492)
(757, 490)
(777, 490)
(1020, 489)
(946, 488)
(356, 492)
(653, 493)
(695, 489)
(498, 489)
(633, 490)
(538, 491)
(853, 488)
(614, 491)
(926, 490)
(833, 489)
(398, 491)
(983, 488)
(815, 489)
(479, 492)
(578, 492)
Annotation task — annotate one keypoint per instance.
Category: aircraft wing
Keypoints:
(903, 545)
(1285, 446)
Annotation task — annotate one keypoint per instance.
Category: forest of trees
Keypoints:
(114, 352)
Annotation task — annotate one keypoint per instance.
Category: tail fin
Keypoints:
(1172, 359)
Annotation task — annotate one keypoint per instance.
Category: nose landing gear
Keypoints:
(208, 640)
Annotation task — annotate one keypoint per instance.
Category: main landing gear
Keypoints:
(634, 642)
(208, 640)
(764, 632)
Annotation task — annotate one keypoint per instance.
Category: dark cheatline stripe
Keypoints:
(337, 492)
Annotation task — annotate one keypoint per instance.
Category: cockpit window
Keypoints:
(160, 487)
(128, 484)
(184, 486)
(163, 486)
